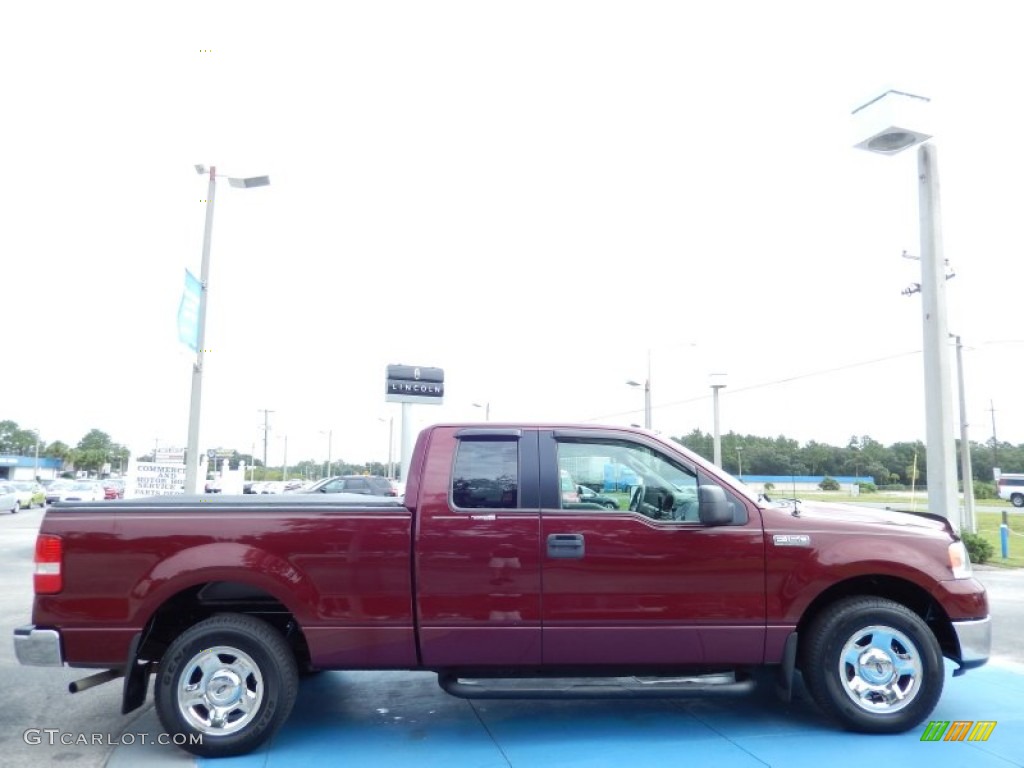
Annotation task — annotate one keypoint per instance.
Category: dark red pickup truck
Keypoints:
(496, 573)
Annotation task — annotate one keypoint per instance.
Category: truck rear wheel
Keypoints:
(873, 665)
(226, 685)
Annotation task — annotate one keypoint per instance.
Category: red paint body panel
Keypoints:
(478, 574)
(430, 586)
(650, 592)
(344, 574)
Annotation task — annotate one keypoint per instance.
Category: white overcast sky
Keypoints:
(532, 196)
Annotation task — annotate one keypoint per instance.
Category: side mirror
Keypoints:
(715, 508)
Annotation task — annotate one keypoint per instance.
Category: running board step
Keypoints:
(594, 687)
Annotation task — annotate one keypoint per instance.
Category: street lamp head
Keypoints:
(892, 140)
(252, 181)
(632, 383)
(200, 169)
(879, 124)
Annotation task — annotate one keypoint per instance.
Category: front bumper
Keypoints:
(38, 647)
(975, 638)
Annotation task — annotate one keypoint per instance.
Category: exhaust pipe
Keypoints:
(93, 680)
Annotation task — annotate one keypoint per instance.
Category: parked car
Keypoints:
(1011, 488)
(30, 494)
(368, 485)
(228, 599)
(76, 490)
(568, 488)
(8, 498)
(113, 489)
(590, 496)
(54, 489)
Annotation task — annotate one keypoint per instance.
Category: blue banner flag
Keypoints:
(188, 312)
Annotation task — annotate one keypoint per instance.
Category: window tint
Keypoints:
(486, 474)
(334, 486)
(612, 475)
(632, 476)
(357, 485)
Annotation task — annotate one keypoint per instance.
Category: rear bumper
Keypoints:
(38, 647)
(975, 638)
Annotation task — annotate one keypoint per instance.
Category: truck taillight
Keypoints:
(48, 579)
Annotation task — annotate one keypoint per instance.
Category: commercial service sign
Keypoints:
(146, 478)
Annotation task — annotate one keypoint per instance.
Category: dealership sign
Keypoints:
(410, 384)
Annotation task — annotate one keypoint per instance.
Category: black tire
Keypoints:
(255, 676)
(1017, 500)
(873, 665)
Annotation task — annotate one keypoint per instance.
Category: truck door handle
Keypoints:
(566, 545)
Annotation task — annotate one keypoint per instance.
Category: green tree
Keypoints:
(96, 449)
(14, 439)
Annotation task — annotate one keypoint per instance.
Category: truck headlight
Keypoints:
(959, 560)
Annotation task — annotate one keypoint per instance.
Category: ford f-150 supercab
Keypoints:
(490, 575)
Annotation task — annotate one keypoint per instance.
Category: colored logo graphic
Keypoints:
(958, 730)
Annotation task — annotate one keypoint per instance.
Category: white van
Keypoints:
(1012, 487)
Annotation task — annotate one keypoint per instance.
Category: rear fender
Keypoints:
(225, 561)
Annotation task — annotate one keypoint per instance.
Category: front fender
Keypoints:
(798, 576)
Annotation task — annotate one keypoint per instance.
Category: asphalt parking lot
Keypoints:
(398, 719)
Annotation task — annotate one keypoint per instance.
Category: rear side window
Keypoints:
(357, 485)
(486, 474)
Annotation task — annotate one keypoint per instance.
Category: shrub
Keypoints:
(867, 487)
(829, 484)
(983, 490)
(978, 548)
(769, 486)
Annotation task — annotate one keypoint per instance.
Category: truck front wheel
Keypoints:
(226, 685)
(873, 665)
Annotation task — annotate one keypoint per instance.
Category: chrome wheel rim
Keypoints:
(220, 690)
(880, 669)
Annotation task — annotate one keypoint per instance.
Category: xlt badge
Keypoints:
(792, 540)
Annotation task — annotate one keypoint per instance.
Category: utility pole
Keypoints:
(266, 435)
(965, 446)
(995, 441)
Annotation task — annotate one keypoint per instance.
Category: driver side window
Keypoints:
(618, 475)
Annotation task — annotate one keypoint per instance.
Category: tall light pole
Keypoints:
(647, 392)
(739, 461)
(266, 435)
(330, 437)
(487, 409)
(882, 129)
(35, 476)
(717, 384)
(192, 458)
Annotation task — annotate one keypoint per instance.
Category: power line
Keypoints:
(772, 383)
